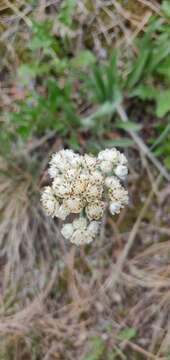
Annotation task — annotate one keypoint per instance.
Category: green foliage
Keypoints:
(153, 50)
(149, 79)
(166, 7)
(128, 125)
(121, 142)
(56, 85)
(161, 146)
(127, 334)
(42, 37)
(162, 98)
(67, 12)
(38, 113)
(97, 346)
(84, 59)
(105, 81)
(163, 103)
(144, 92)
(139, 66)
(57, 108)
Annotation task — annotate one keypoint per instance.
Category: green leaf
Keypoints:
(100, 84)
(106, 109)
(160, 52)
(128, 125)
(97, 349)
(138, 67)
(23, 131)
(73, 142)
(166, 7)
(122, 142)
(70, 114)
(167, 162)
(164, 68)
(127, 334)
(163, 103)
(67, 11)
(144, 92)
(42, 37)
(84, 59)
(112, 79)
(162, 137)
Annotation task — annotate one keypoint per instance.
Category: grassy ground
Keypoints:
(84, 75)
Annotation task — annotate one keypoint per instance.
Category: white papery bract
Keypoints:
(93, 228)
(67, 230)
(121, 171)
(85, 186)
(115, 208)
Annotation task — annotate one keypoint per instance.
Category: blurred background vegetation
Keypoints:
(85, 75)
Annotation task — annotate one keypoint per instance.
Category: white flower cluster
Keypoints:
(85, 185)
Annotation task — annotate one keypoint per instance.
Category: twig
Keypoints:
(143, 352)
(20, 14)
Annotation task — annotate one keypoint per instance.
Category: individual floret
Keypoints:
(95, 210)
(61, 187)
(119, 195)
(115, 208)
(106, 166)
(62, 212)
(49, 201)
(74, 204)
(81, 237)
(109, 155)
(93, 228)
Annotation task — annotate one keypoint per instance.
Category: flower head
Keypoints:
(85, 186)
